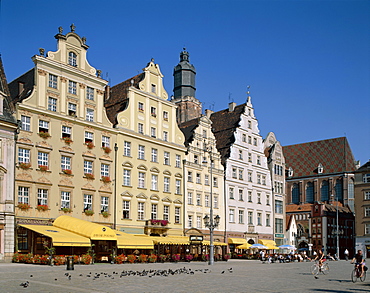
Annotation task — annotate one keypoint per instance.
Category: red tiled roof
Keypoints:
(292, 208)
(334, 154)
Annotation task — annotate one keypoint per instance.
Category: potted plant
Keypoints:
(90, 176)
(42, 207)
(23, 206)
(162, 258)
(67, 171)
(44, 135)
(142, 258)
(59, 260)
(86, 259)
(176, 257)
(43, 168)
(120, 259)
(88, 212)
(90, 145)
(131, 258)
(105, 214)
(106, 179)
(24, 166)
(66, 210)
(49, 250)
(107, 149)
(188, 257)
(152, 258)
(67, 140)
(164, 222)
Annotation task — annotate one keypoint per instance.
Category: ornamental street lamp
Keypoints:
(209, 221)
(337, 230)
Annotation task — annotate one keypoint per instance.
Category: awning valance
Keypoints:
(59, 236)
(244, 246)
(84, 228)
(270, 244)
(215, 243)
(174, 240)
(129, 241)
(238, 241)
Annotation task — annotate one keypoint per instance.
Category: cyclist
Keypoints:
(320, 257)
(360, 261)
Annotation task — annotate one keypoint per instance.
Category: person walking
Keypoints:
(346, 253)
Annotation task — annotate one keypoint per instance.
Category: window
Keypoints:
(43, 126)
(88, 167)
(190, 176)
(140, 128)
(65, 200)
(126, 177)
(141, 152)
(166, 158)
(249, 139)
(178, 161)
(199, 199)
(250, 218)
(154, 155)
(89, 93)
(23, 155)
(72, 87)
(259, 219)
(249, 157)
(234, 172)
(178, 186)
(42, 159)
(241, 195)
(259, 198)
(310, 192)
(87, 202)
(250, 124)
(190, 198)
(240, 155)
(241, 217)
(165, 115)
(127, 149)
(166, 184)
(367, 195)
(72, 59)
(249, 196)
(241, 174)
(126, 209)
(279, 226)
(255, 141)
(258, 160)
(89, 114)
(190, 221)
(215, 202)
(244, 137)
(153, 132)
(367, 211)
(141, 107)
(26, 123)
(52, 104)
(267, 199)
(154, 185)
(199, 222)
(215, 182)
(206, 179)
(206, 200)
(72, 109)
(104, 204)
(198, 180)
(53, 81)
(166, 212)
(154, 88)
(141, 180)
(231, 192)
(263, 180)
(65, 163)
(154, 211)
(23, 194)
(42, 197)
(177, 215)
(105, 141)
(89, 137)
(366, 178)
(153, 111)
(249, 176)
(66, 131)
(140, 210)
(196, 159)
(104, 170)
(367, 228)
(258, 178)
(231, 215)
(295, 193)
(165, 135)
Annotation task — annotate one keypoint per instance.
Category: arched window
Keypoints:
(325, 191)
(309, 192)
(339, 189)
(295, 193)
(72, 59)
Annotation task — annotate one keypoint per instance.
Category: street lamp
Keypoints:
(337, 230)
(209, 221)
(115, 187)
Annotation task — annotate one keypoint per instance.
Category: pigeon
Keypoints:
(222, 272)
(316, 277)
(69, 277)
(24, 285)
(31, 276)
(55, 279)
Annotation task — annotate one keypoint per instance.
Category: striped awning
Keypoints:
(270, 244)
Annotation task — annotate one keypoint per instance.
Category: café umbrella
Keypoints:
(287, 246)
(258, 246)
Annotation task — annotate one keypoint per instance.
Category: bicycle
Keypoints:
(356, 274)
(316, 269)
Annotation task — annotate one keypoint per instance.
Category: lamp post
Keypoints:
(115, 187)
(337, 224)
(209, 221)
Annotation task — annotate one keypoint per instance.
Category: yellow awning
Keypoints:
(237, 241)
(244, 246)
(270, 244)
(215, 243)
(59, 236)
(129, 241)
(84, 228)
(174, 240)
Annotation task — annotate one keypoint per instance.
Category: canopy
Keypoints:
(174, 240)
(270, 244)
(237, 241)
(84, 228)
(244, 246)
(130, 241)
(59, 236)
(215, 243)
(287, 246)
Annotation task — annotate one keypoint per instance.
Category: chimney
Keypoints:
(232, 106)
(20, 87)
(209, 113)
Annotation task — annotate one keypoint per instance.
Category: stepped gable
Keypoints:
(118, 100)
(224, 125)
(334, 154)
(188, 128)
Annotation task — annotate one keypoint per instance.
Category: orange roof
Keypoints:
(292, 208)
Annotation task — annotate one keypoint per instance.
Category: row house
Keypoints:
(63, 151)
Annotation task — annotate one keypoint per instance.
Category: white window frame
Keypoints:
(241, 216)
(42, 196)
(52, 104)
(26, 123)
(88, 167)
(72, 59)
(65, 163)
(178, 186)
(154, 211)
(42, 159)
(141, 152)
(177, 215)
(126, 177)
(23, 155)
(141, 180)
(166, 158)
(88, 201)
(104, 170)
(104, 203)
(90, 114)
(90, 93)
(53, 81)
(232, 215)
(178, 161)
(23, 194)
(166, 183)
(166, 212)
(190, 198)
(154, 155)
(126, 209)
(154, 182)
(141, 210)
(65, 199)
(127, 149)
(72, 87)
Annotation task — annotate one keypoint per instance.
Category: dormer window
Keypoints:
(320, 169)
(290, 172)
(72, 59)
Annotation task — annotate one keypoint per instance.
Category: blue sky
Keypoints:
(307, 62)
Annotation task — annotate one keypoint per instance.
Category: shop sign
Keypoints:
(278, 235)
(195, 238)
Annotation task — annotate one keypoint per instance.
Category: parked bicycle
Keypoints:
(317, 269)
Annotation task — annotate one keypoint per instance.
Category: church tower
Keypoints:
(188, 107)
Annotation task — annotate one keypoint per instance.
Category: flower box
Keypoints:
(42, 207)
(90, 145)
(152, 258)
(105, 214)
(43, 168)
(67, 140)
(67, 171)
(142, 258)
(120, 259)
(188, 257)
(131, 258)
(107, 150)
(89, 212)
(44, 135)
(86, 259)
(23, 206)
(89, 176)
(176, 257)
(66, 210)
(25, 166)
(105, 179)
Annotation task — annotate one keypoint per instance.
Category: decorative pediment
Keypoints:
(126, 194)
(44, 144)
(88, 154)
(88, 186)
(166, 172)
(66, 182)
(67, 149)
(178, 175)
(105, 188)
(127, 164)
(24, 140)
(142, 167)
(154, 197)
(154, 170)
(142, 196)
(106, 157)
(167, 199)
(43, 180)
(177, 201)
(24, 177)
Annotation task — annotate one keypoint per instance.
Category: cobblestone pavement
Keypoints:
(246, 276)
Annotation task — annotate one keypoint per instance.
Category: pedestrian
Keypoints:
(346, 253)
